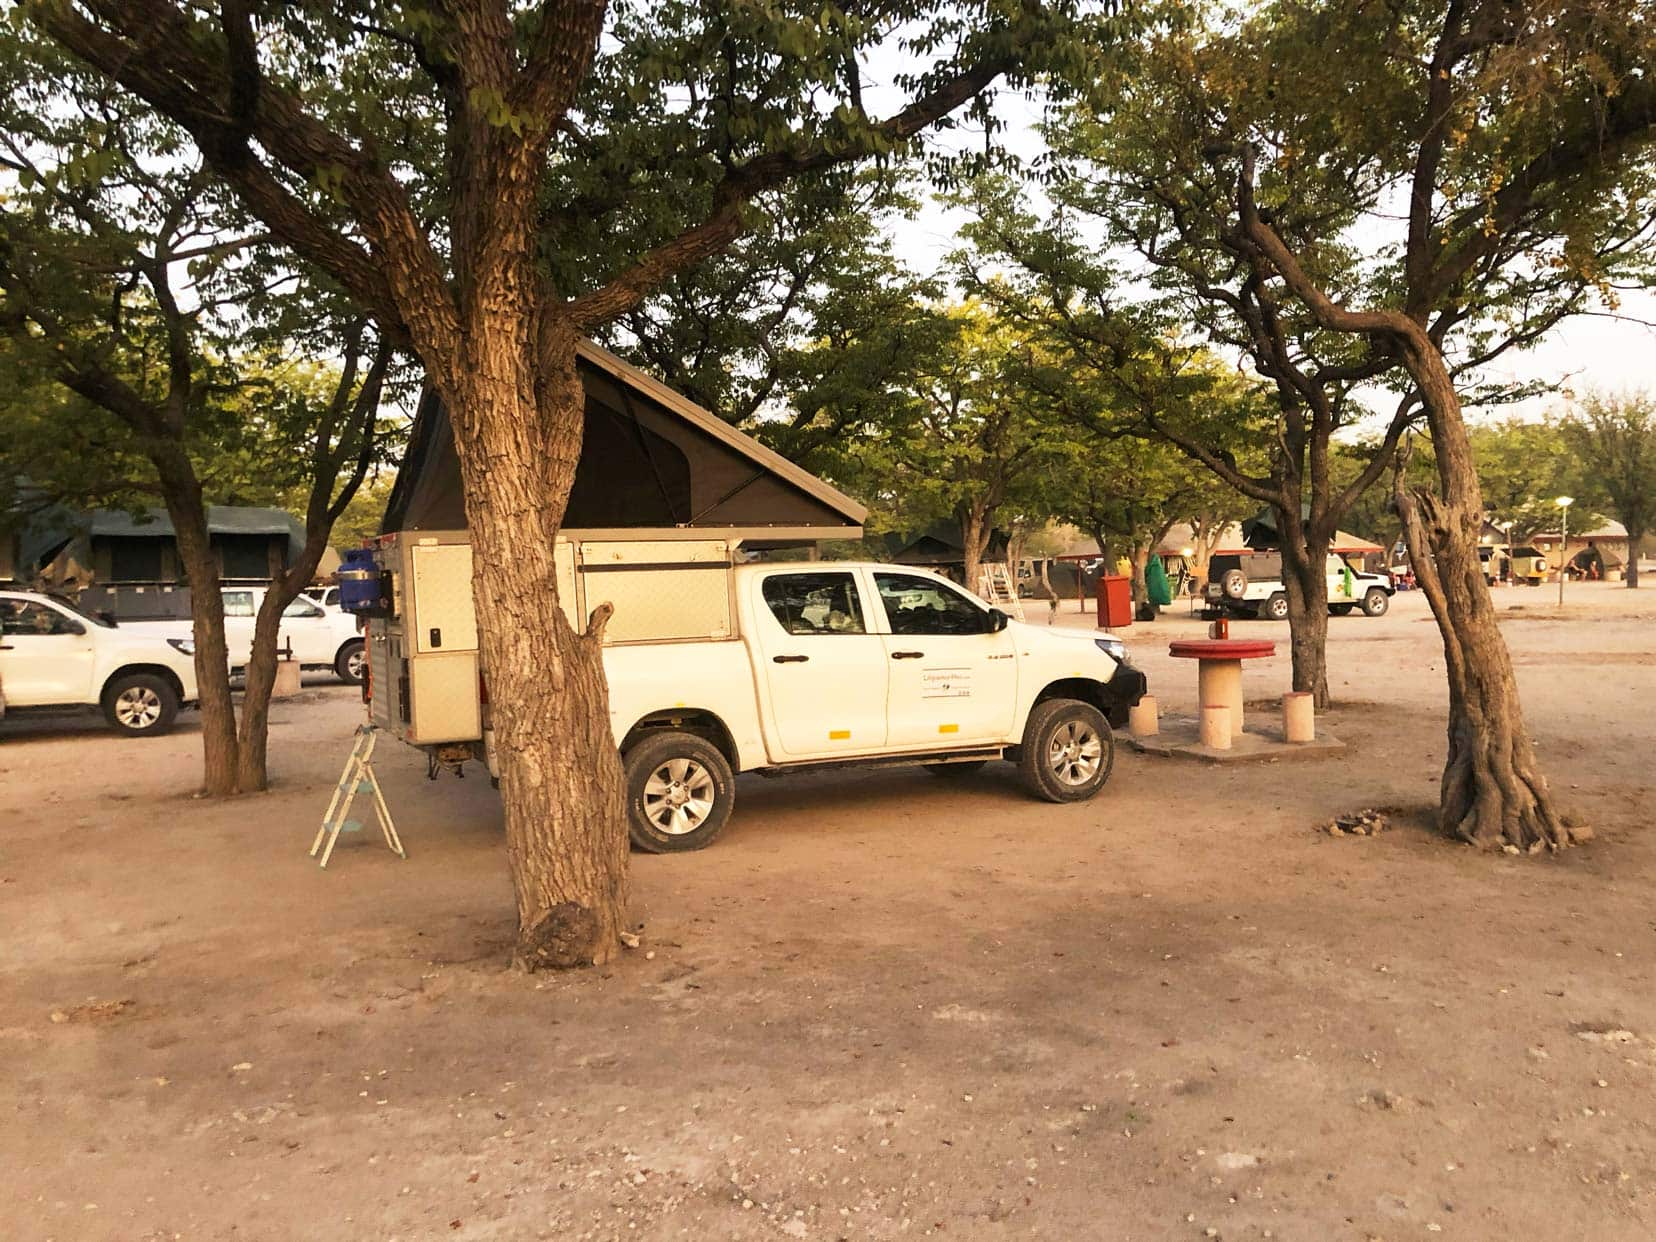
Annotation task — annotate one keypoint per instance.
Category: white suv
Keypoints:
(319, 637)
(55, 657)
(1251, 585)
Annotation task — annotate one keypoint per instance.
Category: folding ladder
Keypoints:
(995, 585)
(358, 777)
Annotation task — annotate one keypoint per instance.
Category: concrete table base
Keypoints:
(1178, 740)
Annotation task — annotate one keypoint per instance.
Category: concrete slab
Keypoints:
(1178, 740)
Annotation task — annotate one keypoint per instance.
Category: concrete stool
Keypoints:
(1299, 720)
(286, 684)
(1142, 718)
(1216, 726)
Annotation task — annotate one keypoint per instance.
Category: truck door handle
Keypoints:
(907, 655)
(789, 659)
(5, 646)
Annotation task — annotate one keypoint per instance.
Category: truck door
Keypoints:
(952, 682)
(824, 671)
(46, 656)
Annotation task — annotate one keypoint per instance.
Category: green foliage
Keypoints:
(1613, 439)
(1523, 467)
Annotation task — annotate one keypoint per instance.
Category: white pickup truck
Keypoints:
(770, 667)
(319, 636)
(54, 658)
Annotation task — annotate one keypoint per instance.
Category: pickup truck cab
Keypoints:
(319, 636)
(849, 663)
(54, 657)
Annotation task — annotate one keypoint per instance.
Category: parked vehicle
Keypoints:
(319, 637)
(715, 669)
(55, 658)
(1250, 585)
(327, 596)
(1524, 564)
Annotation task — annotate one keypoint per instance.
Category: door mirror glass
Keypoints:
(994, 621)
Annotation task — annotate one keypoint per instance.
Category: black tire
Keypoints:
(1340, 610)
(140, 704)
(1375, 602)
(350, 664)
(656, 782)
(1040, 765)
(952, 770)
(1275, 608)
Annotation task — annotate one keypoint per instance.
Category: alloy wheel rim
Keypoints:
(138, 707)
(1075, 753)
(354, 663)
(678, 797)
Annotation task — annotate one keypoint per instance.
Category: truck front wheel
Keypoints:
(140, 704)
(1067, 751)
(680, 791)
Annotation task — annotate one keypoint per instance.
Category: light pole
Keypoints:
(1563, 503)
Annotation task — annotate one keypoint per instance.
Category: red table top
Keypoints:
(1221, 648)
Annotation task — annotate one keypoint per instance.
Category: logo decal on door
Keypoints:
(946, 683)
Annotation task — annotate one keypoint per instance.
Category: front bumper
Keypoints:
(1122, 692)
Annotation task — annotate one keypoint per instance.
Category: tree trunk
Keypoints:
(181, 493)
(1493, 792)
(1140, 561)
(253, 736)
(1305, 581)
(974, 536)
(1634, 539)
(519, 423)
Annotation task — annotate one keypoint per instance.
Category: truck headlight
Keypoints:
(184, 646)
(1113, 647)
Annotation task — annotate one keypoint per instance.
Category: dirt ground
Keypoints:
(884, 1006)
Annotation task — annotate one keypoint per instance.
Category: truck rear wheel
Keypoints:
(1067, 751)
(140, 704)
(680, 791)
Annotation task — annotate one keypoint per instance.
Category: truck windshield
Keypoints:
(63, 601)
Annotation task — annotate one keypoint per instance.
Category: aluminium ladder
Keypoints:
(358, 777)
(995, 585)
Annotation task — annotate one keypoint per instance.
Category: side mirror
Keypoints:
(995, 622)
(107, 617)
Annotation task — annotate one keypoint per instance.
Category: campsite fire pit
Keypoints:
(1219, 670)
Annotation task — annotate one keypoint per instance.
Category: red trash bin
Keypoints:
(1115, 601)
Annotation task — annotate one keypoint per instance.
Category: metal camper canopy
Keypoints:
(651, 460)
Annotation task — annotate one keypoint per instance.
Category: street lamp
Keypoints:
(1563, 503)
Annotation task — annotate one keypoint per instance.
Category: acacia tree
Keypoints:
(1615, 439)
(128, 278)
(971, 436)
(474, 146)
(1517, 139)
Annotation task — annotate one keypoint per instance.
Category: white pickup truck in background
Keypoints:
(319, 636)
(56, 658)
(715, 668)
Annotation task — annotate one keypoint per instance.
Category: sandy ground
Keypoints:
(883, 1006)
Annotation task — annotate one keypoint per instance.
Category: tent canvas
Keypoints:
(650, 459)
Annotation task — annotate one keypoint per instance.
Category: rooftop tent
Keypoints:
(1260, 533)
(650, 459)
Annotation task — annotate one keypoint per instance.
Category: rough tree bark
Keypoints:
(976, 524)
(1634, 539)
(1305, 581)
(1493, 792)
(560, 771)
